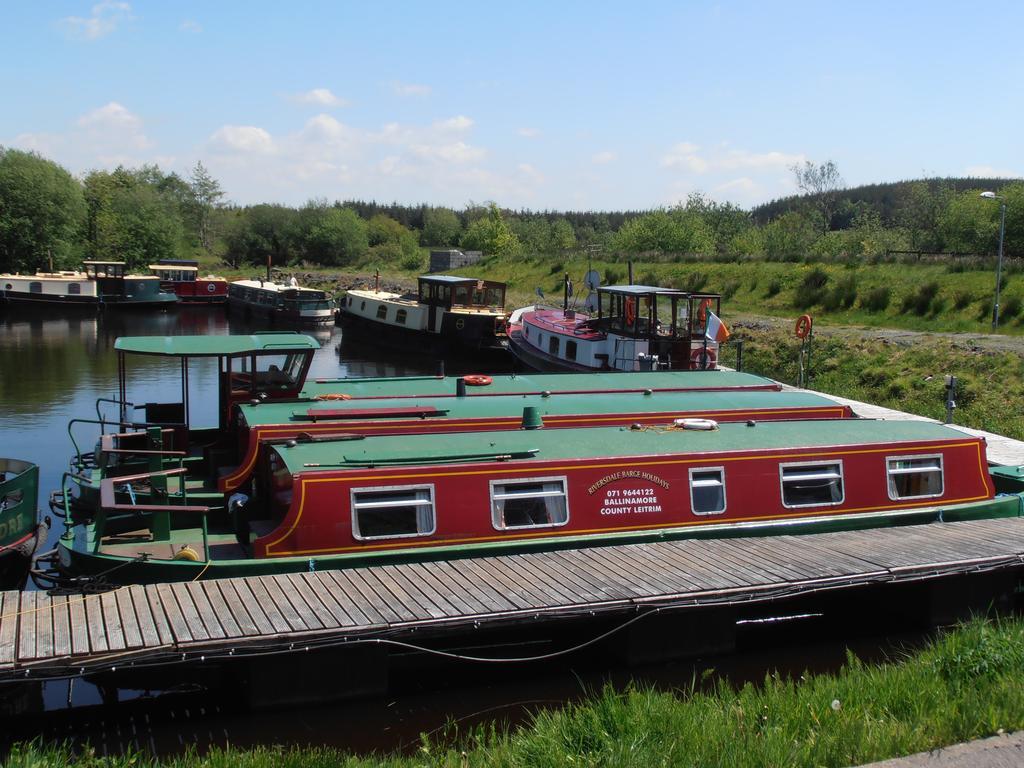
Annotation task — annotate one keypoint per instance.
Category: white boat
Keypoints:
(277, 302)
(100, 284)
(447, 313)
(636, 328)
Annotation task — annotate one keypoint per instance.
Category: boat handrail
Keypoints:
(413, 460)
(110, 400)
(102, 423)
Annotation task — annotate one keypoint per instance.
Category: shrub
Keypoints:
(729, 288)
(649, 278)
(843, 294)
(961, 299)
(611, 276)
(1010, 308)
(876, 300)
(812, 290)
(694, 282)
(985, 310)
(920, 301)
(558, 266)
(773, 289)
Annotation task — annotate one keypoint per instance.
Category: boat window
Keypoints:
(74, 289)
(394, 512)
(535, 503)
(914, 477)
(424, 292)
(35, 287)
(400, 316)
(362, 306)
(495, 297)
(570, 350)
(707, 490)
(461, 295)
(553, 345)
(812, 484)
(278, 371)
(382, 312)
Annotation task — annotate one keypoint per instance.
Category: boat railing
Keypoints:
(123, 403)
(160, 522)
(83, 461)
(21, 487)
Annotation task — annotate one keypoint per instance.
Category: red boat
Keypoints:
(182, 277)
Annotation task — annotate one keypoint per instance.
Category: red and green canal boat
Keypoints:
(264, 398)
(357, 500)
(20, 529)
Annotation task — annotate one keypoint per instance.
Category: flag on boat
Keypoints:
(715, 329)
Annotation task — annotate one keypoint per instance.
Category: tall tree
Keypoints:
(490, 233)
(441, 226)
(41, 211)
(208, 195)
(822, 184)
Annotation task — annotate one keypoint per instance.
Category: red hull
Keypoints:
(612, 495)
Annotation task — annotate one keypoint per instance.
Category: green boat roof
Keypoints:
(430, 386)
(590, 443)
(212, 346)
(557, 404)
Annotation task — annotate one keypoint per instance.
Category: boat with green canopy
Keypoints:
(355, 500)
(20, 528)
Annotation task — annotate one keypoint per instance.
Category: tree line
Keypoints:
(139, 215)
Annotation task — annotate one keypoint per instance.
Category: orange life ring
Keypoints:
(630, 310)
(477, 380)
(702, 312)
(804, 323)
(334, 396)
(697, 355)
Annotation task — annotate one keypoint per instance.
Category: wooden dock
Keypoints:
(43, 636)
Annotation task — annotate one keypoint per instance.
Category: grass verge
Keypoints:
(965, 685)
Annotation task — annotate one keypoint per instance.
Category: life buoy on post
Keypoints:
(697, 357)
(630, 310)
(477, 380)
(804, 323)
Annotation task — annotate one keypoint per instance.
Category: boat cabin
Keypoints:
(262, 423)
(267, 365)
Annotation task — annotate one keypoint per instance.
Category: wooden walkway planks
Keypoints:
(60, 635)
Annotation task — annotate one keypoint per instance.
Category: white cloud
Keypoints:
(743, 185)
(457, 152)
(189, 25)
(242, 138)
(410, 89)
(457, 123)
(603, 158)
(688, 156)
(103, 20)
(530, 174)
(116, 125)
(529, 133)
(321, 97)
(989, 172)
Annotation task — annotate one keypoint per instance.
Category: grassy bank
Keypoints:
(901, 373)
(965, 685)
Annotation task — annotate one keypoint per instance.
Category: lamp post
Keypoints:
(999, 262)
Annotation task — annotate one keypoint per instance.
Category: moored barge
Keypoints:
(20, 529)
(279, 303)
(100, 284)
(351, 500)
(636, 328)
(446, 314)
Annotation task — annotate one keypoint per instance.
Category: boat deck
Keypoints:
(44, 636)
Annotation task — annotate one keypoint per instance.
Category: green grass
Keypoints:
(905, 375)
(850, 296)
(964, 685)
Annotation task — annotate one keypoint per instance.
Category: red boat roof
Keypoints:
(555, 320)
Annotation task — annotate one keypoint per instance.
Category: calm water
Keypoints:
(53, 368)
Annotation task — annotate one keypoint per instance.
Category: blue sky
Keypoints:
(570, 105)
